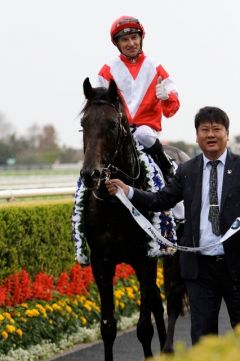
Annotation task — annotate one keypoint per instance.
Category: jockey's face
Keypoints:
(130, 45)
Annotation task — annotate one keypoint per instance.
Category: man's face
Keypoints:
(130, 45)
(212, 139)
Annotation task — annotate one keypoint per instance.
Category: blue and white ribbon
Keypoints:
(157, 236)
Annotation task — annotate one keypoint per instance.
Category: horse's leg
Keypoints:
(103, 274)
(150, 302)
(158, 309)
(158, 312)
(175, 292)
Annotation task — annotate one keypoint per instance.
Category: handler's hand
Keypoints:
(113, 184)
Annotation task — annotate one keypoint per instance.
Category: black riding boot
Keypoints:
(158, 155)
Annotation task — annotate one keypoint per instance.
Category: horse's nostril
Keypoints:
(90, 177)
(95, 174)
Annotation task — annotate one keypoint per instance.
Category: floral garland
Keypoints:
(81, 245)
(163, 221)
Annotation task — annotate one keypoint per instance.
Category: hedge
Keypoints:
(37, 237)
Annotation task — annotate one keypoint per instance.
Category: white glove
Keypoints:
(161, 91)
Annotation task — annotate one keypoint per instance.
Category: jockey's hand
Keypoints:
(113, 184)
(161, 90)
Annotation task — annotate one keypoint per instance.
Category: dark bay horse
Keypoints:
(112, 234)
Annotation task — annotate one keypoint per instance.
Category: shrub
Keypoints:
(37, 237)
(210, 348)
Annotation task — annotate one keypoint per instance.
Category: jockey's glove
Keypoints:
(161, 91)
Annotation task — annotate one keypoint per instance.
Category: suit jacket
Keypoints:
(187, 186)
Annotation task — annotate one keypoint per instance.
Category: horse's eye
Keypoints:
(113, 124)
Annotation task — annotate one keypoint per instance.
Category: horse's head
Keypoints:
(105, 130)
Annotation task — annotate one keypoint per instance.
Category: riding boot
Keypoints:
(157, 153)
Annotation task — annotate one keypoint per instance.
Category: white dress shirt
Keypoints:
(206, 234)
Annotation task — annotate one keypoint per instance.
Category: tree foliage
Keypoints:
(39, 146)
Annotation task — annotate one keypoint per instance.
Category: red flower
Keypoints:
(2, 295)
(42, 287)
(19, 288)
(62, 285)
(123, 271)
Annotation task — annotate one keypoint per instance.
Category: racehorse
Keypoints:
(112, 234)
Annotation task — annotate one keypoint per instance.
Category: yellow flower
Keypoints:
(19, 332)
(81, 298)
(4, 335)
(121, 305)
(130, 292)
(49, 308)
(56, 307)
(118, 294)
(24, 305)
(83, 320)
(88, 307)
(1, 318)
(62, 303)
(32, 313)
(97, 308)
(40, 308)
(68, 309)
(7, 315)
(10, 328)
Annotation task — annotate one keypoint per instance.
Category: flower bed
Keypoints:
(33, 311)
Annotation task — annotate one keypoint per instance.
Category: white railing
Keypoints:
(25, 193)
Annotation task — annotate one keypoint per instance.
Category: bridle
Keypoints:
(110, 168)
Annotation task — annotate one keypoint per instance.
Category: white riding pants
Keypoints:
(146, 135)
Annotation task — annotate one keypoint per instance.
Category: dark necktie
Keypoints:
(213, 214)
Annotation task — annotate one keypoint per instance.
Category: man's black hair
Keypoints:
(211, 115)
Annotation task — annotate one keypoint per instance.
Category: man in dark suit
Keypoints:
(210, 188)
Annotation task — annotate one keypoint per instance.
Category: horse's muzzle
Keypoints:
(90, 177)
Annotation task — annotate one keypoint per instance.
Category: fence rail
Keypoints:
(25, 193)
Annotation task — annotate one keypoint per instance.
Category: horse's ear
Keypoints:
(112, 91)
(87, 89)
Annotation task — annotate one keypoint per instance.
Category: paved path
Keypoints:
(127, 347)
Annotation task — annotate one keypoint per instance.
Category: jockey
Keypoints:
(145, 88)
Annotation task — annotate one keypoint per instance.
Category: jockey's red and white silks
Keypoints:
(136, 83)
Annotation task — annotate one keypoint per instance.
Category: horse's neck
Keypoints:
(127, 160)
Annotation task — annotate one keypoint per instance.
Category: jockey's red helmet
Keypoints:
(125, 25)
